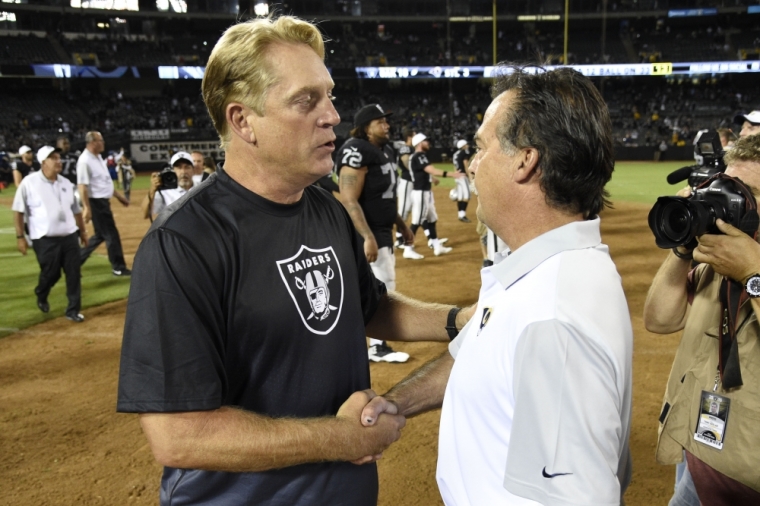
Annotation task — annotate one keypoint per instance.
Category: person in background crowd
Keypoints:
(68, 159)
(95, 190)
(198, 161)
(158, 198)
(750, 123)
(56, 227)
(126, 174)
(25, 165)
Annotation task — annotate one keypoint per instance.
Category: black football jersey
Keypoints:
(378, 197)
(69, 167)
(459, 157)
(421, 179)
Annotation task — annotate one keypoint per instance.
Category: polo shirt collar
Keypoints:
(510, 267)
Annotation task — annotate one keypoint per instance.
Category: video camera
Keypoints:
(168, 179)
(708, 152)
(678, 221)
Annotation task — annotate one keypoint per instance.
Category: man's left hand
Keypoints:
(733, 254)
(121, 199)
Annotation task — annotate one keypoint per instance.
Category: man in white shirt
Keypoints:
(536, 388)
(159, 197)
(55, 227)
(197, 158)
(96, 189)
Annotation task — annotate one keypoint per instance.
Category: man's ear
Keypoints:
(240, 122)
(528, 165)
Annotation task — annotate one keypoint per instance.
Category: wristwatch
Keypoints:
(752, 286)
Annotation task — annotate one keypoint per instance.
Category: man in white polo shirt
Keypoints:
(158, 197)
(55, 226)
(536, 388)
(96, 189)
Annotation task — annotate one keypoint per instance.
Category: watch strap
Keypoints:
(451, 327)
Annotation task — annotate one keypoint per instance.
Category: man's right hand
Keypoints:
(22, 245)
(370, 248)
(369, 442)
(86, 214)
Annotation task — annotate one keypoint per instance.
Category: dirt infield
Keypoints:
(63, 443)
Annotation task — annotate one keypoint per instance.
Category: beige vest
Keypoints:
(694, 370)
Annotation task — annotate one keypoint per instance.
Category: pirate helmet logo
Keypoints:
(314, 279)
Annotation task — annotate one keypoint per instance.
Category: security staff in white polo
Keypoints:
(159, 198)
(96, 189)
(55, 226)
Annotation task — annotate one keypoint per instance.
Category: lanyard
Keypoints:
(732, 295)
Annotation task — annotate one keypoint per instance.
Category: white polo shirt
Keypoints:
(165, 197)
(93, 172)
(50, 206)
(538, 405)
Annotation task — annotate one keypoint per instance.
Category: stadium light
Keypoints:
(261, 9)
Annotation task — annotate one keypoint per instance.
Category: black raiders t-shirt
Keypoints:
(25, 169)
(69, 167)
(239, 301)
(421, 179)
(378, 197)
(459, 157)
(404, 150)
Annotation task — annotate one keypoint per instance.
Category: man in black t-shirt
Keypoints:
(68, 159)
(461, 192)
(423, 204)
(244, 345)
(366, 164)
(25, 165)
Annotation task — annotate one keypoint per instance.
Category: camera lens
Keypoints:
(676, 221)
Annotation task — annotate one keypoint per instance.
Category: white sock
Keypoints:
(374, 342)
(461, 214)
(435, 243)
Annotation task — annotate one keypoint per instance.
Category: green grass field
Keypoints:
(631, 182)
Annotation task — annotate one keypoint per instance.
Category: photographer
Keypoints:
(169, 189)
(723, 461)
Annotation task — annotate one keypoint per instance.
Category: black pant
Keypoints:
(105, 230)
(54, 254)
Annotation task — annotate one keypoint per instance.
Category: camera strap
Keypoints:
(732, 296)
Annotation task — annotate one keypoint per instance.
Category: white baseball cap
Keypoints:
(417, 139)
(181, 155)
(753, 117)
(44, 152)
(461, 144)
(24, 149)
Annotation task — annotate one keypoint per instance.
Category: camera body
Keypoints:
(678, 221)
(168, 179)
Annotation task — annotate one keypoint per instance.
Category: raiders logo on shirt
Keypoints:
(315, 282)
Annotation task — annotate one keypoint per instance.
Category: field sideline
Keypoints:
(639, 182)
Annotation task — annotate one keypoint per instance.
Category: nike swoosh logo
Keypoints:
(547, 475)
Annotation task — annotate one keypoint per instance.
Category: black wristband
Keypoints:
(683, 256)
(19, 237)
(445, 174)
(451, 325)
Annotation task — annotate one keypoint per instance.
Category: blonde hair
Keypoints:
(239, 71)
(746, 149)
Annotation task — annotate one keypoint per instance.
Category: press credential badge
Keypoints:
(712, 420)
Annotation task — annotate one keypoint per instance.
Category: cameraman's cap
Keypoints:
(44, 152)
(24, 149)
(181, 155)
(417, 139)
(753, 117)
(461, 144)
(368, 113)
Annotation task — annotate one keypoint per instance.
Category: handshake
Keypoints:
(371, 423)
